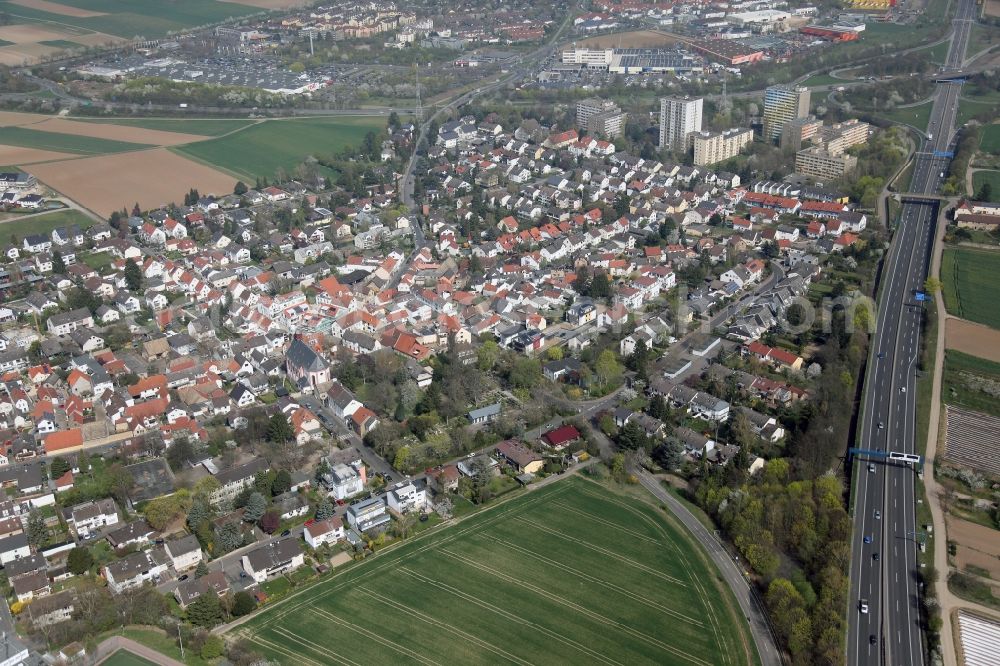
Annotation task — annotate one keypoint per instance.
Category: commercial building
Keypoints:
(679, 117)
(712, 147)
(798, 132)
(600, 116)
(820, 163)
(640, 61)
(781, 105)
(596, 58)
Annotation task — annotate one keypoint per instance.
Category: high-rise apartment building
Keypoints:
(782, 104)
(600, 116)
(679, 117)
(712, 147)
(797, 132)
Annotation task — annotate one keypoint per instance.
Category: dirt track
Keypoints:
(971, 338)
(150, 177)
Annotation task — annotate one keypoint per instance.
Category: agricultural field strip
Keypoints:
(527, 504)
(576, 607)
(728, 655)
(597, 581)
(371, 635)
(972, 439)
(439, 624)
(604, 551)
(510, 616)
(391, 561)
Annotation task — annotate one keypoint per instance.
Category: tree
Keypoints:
(201, 570)
(240, 188)
(199, 513)
(38, 533)
(600, 286)
(581, 284)
(632, 437)
(243, 604)
(58, 467)
(79, 561)
(228, 537)
(282, 483)
(932, 285)
(324, 510)
(525, 372)
(985, 192)
(487, 355)
(133, 275)
(255, 508)
(279, 429)
(554, 353)
(205, 611)
(162, 511)
(622, 203)
(607, 368)
(270, 521)
(58, 264)
(118, 482)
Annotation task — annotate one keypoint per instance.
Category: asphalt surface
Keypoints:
(890, 631)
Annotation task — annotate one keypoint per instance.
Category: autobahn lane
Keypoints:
(885, 493)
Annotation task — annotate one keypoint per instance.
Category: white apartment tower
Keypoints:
(679, 117)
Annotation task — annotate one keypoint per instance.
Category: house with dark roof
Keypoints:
(277, 557)
(520, 457)
(305, 367)
(233, 480)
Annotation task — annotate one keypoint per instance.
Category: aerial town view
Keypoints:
(500, 332)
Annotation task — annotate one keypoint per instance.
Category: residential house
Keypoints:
(276, 558)
(322, 532)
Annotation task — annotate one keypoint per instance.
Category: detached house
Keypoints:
(278, 557)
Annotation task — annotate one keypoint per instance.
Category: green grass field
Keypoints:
(822, 80)
(262, 149)
(125, 658)
(991, 177)
(202, 126)
(570, 573)
(918, 116)
(968, 381)
(64, 143)
(42, 224)
(131, 18)
(990, 139)
(967, 277)
(62, 44)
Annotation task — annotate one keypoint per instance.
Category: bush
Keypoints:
(212, 648)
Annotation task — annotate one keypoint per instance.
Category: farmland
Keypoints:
(151, 178)
(200, 126)
(263, 148)
(42, 224)
(65, 143)
(990, 140)
(967, 281)
(128, 18)
(986, 176)
(565, 574)
(971, 382)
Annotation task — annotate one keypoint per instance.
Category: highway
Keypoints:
(885, 572)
